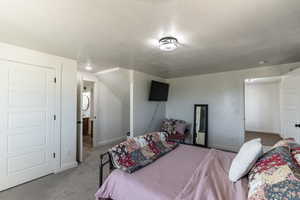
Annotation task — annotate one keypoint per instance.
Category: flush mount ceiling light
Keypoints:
(249, 80)
(88, 67)
(262, 62)
(168, 44)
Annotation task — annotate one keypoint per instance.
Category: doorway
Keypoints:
(262, 110)
(86, 119)
(87, 115)
(28, 141)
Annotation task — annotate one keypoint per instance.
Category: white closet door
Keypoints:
(290, 105)
(27, 119)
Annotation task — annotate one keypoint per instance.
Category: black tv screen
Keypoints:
(159, 91)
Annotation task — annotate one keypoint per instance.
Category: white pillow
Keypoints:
(245, 159)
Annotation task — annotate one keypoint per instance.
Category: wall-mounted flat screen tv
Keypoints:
(159, 91)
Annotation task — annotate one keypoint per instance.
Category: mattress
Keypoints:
(187, 172)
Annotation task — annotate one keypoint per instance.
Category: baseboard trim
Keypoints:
(226, 147)
(110, 141)
(264, 132)
(66, 166)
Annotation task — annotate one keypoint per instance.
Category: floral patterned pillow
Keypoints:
(275, 176)
(168, 126)
(136, 153)
(172, 126)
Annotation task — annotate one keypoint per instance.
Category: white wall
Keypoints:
(66, 112)
(113, 106)
(262, 107)
(143, 109)
(68, 115)
(118, 106)
(224, 92)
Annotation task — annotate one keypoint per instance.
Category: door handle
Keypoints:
(79, 122)
(297, 125)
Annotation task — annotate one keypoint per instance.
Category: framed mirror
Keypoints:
(200, 125)
(85, 101)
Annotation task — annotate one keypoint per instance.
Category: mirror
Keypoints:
(85, 101)
(200, 125)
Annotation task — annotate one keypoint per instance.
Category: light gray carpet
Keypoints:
(80, 183)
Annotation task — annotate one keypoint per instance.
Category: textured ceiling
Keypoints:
(214, 35)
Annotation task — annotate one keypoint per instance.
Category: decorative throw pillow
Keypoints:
(173, 126)
(275, 176)
(168, 126)
(245, 159)
(180, 126)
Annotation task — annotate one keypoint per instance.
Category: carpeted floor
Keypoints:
(267, 139)
(80, 183)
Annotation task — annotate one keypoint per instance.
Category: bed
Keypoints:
(187, 172)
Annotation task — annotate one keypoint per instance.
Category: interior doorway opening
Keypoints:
(262, 110)
(87, 106)
(86, 115)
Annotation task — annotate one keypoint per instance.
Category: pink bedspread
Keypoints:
(186, 173)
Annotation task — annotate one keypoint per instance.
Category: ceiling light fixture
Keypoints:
(89, 67)
(262, 62)
(168, 44)
(249, 80)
